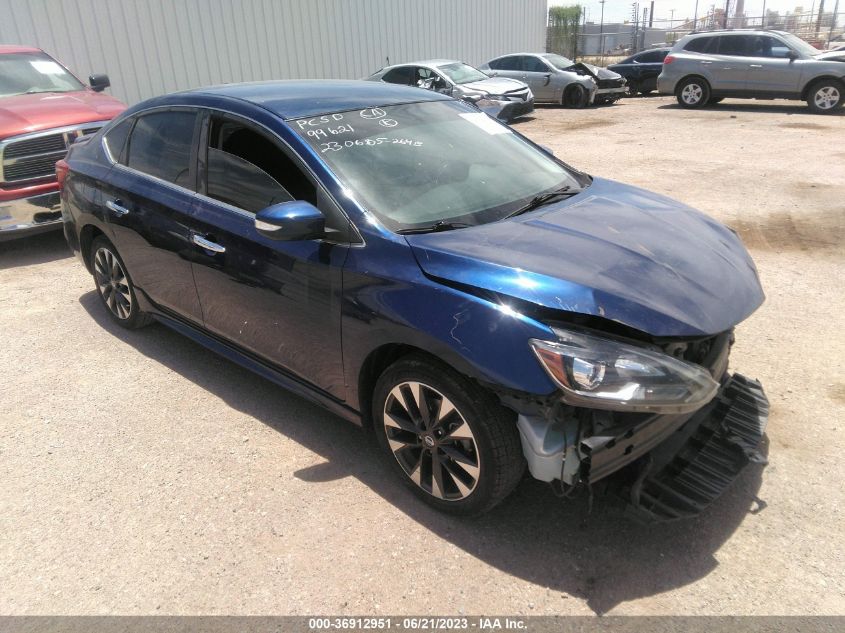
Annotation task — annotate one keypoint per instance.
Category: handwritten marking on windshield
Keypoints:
(336, 146)
(388, 122)
(372, 113)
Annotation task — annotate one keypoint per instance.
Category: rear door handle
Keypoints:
(755, 65)
(208, 245)
(117, 208)
(706, 62)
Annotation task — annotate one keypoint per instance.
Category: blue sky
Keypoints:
(619, 10)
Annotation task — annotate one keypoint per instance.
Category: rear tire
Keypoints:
(463, 462)
(692, 92)
(825, 96)
(114, 286)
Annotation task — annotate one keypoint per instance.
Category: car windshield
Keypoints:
(800, 45)
(418, 164)
(462, 73)
(559, 62)
(28, 73)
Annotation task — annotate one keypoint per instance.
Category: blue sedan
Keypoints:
(417, 267)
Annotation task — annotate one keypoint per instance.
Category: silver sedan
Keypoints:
(556, 79)
(503, 98)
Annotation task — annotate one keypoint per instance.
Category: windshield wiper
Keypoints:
(544, 198)
(435, 228)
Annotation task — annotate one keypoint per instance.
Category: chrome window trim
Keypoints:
(41, 133)
(198, 108)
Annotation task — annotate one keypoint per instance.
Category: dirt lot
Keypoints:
(140, 473)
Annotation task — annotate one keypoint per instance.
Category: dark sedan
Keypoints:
(414, 265)
(641, 70)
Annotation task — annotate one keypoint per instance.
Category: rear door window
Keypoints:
(699, 45)
(651, 57)
(160, 145)
(735, 45)
(401, 75)
(511, 62)
(116, 139)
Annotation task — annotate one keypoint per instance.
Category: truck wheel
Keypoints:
(115, 287)
(574, 97)
(692, 92)
(448, 439)
(825, 96)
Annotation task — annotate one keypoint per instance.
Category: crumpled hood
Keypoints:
(493, 85)
(595, 71)
(31, 113)
(613, 251)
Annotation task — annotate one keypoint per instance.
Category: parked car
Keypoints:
(43, 108)
(556, 79)
(706, 67)
(641, 70)
(414, 265)
(504, 99)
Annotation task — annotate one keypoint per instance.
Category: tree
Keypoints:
(562, 32)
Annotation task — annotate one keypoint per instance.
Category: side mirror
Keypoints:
(792, 55)
(291, 221)
(547, 149)
(99, 82)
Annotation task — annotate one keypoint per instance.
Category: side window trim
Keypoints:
(353, 238)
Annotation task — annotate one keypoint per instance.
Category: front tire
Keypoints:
(825, 96)
(115, 287)
(692, 92)
(574, 96)
(447, 438)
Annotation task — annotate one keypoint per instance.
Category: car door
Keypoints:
(538, 75)
(770, 67)
(729, 66)
(277, 300)
(647, 66)
(508, 66)
(149, 196)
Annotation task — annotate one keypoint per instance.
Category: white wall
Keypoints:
(151, 47)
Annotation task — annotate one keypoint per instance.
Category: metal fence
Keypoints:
(821, 29)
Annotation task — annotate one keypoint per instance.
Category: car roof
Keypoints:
(11, 48)
(293, 99)
(426, 63)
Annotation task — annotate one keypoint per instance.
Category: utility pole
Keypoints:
(833, 22)
(651, 14)
(601, 30)
(819, 19)
(695, 16)
(764, 14)
(725, 17)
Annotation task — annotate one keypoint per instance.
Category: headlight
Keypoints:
(604, 374)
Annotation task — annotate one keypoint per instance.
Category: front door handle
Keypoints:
(117, 208)
(755, 65)
(706, 62)
(208, 245)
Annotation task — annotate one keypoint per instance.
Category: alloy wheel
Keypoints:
(432, 441)
(826, 98)
(692, 94)
(112, 283)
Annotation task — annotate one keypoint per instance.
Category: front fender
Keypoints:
(388, 300)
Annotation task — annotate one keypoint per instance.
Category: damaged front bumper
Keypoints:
(686, 460)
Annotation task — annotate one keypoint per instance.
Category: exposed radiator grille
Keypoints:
(34, 156)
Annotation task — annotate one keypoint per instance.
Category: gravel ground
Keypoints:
(141, 474)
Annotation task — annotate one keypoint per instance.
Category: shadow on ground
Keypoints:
(786, 107)
(34, 250)
(601, 556)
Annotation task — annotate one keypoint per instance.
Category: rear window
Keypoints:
(698, 45)
(160, 145)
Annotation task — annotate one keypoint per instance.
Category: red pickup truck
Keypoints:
(43, 109)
